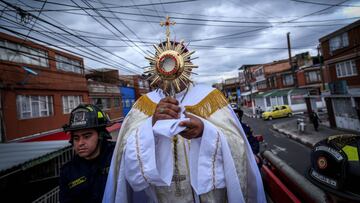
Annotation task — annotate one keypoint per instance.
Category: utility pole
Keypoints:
(248, 83)
(321, 68)
(290, 61)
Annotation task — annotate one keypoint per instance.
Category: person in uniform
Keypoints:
(83, 179)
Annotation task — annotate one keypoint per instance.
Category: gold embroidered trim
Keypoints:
(214, 160)
(209, 105)
(145, 105)
(138, 156)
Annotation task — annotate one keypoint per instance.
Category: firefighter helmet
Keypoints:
(335, 165)
(86, 116)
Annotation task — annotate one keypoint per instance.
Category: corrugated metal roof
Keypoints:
(26, 154)
(281, 92)
(266, 94)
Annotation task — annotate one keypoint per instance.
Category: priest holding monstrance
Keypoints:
(182, 142)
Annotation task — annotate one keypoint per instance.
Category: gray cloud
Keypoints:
(220, 57)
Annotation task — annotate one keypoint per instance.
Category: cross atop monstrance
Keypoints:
(167, 23)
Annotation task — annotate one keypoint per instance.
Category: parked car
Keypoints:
(277, 112)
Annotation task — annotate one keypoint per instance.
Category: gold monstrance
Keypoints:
(170, 67)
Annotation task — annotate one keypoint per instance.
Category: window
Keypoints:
(339, 41)
(141, 84)
(262, 85)
(34, 106)
(69, 65)
(22, 54)
(127, 103)
(268, 103)
(106, 102)
(116, 102)
(346, 69)
(288, 79)
(286, 100)
(102, 103)
(312, 76)
(70, 102)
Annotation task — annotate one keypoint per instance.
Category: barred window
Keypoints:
(312, 76)
(69, 65)
(346, 69)
(339, 41)
(34, 106)
(116, 102)
(288, 79)
(15, 52)
(70, 102)
(102, 103)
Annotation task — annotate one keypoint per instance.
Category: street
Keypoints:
(292, 152)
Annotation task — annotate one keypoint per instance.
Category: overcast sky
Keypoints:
(225, 33)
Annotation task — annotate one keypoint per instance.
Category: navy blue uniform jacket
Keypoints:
(84, 180)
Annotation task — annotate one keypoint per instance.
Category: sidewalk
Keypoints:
(309, 137)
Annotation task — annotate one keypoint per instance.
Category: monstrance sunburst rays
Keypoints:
(170, 66)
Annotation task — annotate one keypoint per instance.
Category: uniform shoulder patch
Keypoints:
(77, 182)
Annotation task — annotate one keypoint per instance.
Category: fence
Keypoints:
(53, 195)
(50, 197)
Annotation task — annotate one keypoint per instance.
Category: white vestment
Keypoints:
(217, 167)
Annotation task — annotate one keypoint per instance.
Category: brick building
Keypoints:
(247, 82)
(341, 52)
(37, 90)
(103, 85)
(274, 83)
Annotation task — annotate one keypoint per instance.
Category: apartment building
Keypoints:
(39, 86)
(341, 52)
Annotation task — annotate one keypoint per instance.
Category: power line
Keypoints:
(101, 60)
(124, 24)
(236, 26)
(87, 41)
(35, 20)
(193, 14)
(20, 34)
(111, 38)
(267, 27)
(319, 11)
(205, 20)
(104, 24)
(324, 4)
(147, 20)
(126, 6)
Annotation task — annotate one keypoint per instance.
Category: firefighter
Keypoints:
(254, 143)
(83, 179)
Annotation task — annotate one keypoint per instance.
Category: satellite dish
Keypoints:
(28, 72)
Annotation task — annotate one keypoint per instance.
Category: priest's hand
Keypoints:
(194, 127)
(167, 108)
